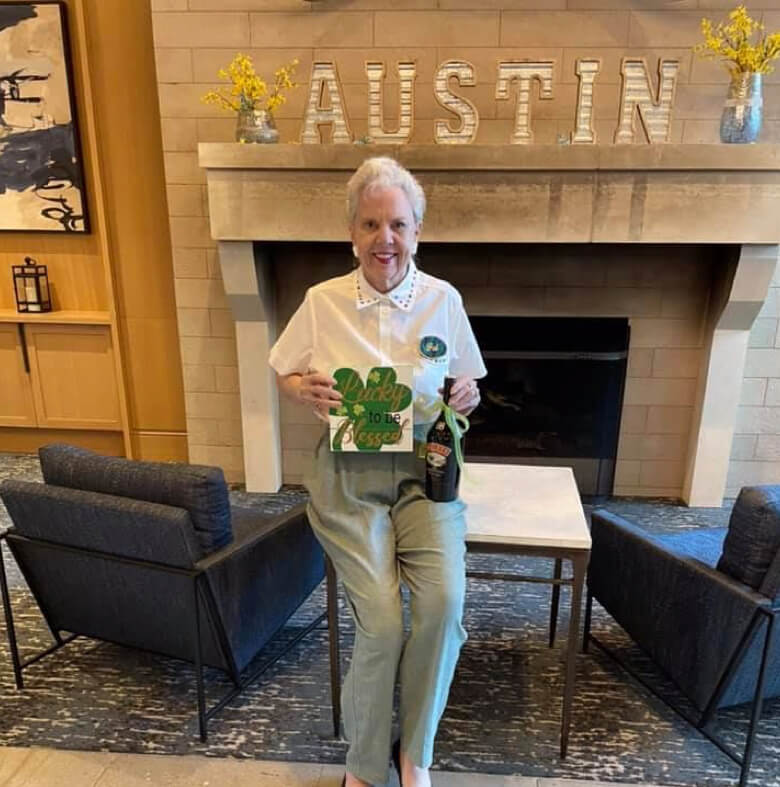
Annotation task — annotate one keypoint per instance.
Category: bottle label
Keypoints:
(436, 454)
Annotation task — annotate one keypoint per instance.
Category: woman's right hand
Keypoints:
(318, 390)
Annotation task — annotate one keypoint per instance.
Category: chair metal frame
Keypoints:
(200, 591)
(703, 723)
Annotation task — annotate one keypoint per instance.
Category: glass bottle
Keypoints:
(442, 473)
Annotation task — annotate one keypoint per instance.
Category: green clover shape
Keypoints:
(370, 405)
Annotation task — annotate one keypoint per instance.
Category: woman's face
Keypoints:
(385, 235)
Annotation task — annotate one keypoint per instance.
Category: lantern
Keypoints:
(31, 285)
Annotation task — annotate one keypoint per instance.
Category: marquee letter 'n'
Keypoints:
(636, 97)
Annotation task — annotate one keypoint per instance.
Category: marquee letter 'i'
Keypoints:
(587, 68)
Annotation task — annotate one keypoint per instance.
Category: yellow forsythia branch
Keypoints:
(741, 42)
(247, 90)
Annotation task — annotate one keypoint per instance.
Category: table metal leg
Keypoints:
(333, 642)
(556, 597)
(588, 617)
(579, 567)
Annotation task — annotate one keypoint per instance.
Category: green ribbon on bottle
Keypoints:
(458, 425)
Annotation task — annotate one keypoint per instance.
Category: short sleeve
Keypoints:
(293, 350)
(465, 358)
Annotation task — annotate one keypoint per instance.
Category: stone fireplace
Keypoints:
(678, 240)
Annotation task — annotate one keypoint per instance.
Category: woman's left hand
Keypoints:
(464, 395)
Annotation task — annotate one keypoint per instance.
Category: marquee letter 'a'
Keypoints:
(375, 71)
(636, 97)
(325, 80)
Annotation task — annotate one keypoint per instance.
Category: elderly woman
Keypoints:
(369, 510)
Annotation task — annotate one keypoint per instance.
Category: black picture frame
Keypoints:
(42, 183)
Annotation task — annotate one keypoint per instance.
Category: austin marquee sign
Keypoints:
(638, 98)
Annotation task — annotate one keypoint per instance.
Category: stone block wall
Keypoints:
(755, 450)
(194, 38)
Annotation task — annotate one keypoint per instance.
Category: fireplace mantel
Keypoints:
(660, 194)
(218, 155)
(508, 193)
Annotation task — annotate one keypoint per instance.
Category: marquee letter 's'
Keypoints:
(325, 78)
(636, 94)
(524, 71)
(443, 134)
(407, 71)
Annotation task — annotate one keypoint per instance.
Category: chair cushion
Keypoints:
(703, 543)
(753, 539)
(122, 526)
(200, 490)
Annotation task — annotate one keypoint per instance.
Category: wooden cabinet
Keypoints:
(16, 397)
(71, 382)
(73, 376)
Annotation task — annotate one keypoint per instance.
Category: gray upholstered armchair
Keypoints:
(153, 556)
(702, 604)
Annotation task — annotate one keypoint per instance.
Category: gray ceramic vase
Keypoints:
(256, 125)
(743, 110)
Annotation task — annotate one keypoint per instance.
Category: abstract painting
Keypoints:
(41, 175)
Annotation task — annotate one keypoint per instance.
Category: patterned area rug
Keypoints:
(504, 710)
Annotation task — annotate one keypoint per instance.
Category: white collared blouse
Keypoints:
(346, 322)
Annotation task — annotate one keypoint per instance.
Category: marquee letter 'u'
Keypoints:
(407, 72)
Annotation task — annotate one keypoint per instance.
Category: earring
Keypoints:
(354, 250)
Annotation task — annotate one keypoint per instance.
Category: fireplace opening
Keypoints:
(553, 395)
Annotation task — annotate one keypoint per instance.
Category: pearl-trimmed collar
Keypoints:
(402, 295)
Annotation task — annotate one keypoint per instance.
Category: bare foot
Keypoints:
(412, 776)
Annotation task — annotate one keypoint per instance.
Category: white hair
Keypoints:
(388, 173)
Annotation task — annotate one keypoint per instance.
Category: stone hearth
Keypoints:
(680, 239)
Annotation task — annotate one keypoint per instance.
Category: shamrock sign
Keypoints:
(375, 415)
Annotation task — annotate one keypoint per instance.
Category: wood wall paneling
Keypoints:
(16, 397)
(28, 441)
(75, 274)
(134, 184)
(123, 268)
(153, 374)
(160, 446)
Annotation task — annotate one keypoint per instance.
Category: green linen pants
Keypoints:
(370, 513)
